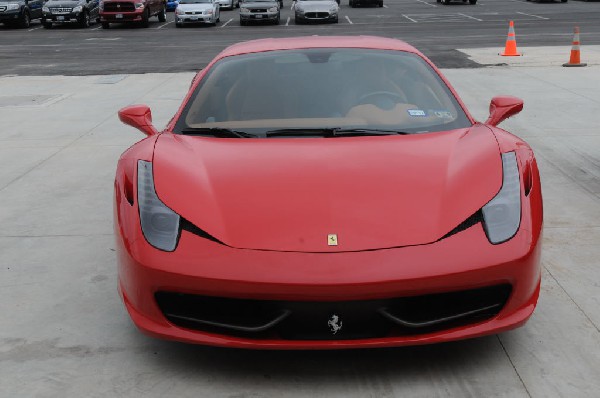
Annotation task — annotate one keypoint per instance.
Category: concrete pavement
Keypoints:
(65, 333)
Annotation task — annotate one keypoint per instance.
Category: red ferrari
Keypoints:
(327, 192)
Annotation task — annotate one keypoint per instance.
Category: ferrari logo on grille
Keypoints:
(332, 240)
(333, 324)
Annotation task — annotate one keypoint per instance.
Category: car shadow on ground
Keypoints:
(332, 367)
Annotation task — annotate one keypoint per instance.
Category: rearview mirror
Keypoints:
(503, 107)
(140, 117)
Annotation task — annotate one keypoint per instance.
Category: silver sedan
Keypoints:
(316, 11)
(195, 11)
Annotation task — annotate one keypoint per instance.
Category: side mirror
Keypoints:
(140, 117)
(503, 107)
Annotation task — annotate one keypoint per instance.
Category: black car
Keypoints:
(81, 12)
(20, 12)
(355, 3)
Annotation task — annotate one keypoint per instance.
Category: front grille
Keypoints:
(259, 10)
(60, 10)
(2, 8)
(119, 7)
(302, 320)
(193, 12)
(317, 15)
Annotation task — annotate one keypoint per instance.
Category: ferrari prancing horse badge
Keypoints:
(332, 240)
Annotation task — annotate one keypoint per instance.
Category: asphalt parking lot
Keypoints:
(65, 332)
(436, 29)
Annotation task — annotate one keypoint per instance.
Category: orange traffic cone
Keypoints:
(575, 51)
(510, 50)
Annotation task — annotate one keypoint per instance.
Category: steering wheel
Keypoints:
(385, 100)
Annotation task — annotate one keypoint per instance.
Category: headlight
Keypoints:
(12, 6)
(502, 215)
(160, 224)
(45, 9)
(244, 10)
(208, 12)
(139, 5)
(77, 9)
(333, 9)
(178, 11)
(272, 9)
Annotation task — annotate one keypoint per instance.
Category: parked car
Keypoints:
(197, 11)
(473, 2)
(324, 193)
(131, 11)
(315, 11)
(355, 3)
(80, 12)
(230, 4)
(259, 11)
(20, 12)
(172, 5)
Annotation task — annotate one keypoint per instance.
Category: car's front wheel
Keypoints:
(146, 19)
(85, 20)
(25, 21)
(162, 15)
(105, 25)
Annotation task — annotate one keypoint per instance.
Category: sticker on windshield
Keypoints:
(416, 112)
(442, 114)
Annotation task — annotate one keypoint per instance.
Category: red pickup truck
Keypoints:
(131, 11)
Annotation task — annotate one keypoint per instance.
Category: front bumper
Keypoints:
(10, 16)
(196, 18)
(122, 17)
(259, 17)
(62, 18)
(316, 16)
(202, 267)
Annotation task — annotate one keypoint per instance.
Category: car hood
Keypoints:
(195, 7)
(290, 194)
(316, 5)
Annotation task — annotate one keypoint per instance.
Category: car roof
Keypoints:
(292, 43)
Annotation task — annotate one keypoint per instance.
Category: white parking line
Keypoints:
(468, 16)
(31, 30)
(531, 15)
(162, 26)
(349, 21)
(287, 22)
(409, 18)
(99, 27)
(424, 2)
(385, 6)
(225, 24)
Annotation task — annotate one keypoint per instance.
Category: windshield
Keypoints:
(195, 1)
(322, 88)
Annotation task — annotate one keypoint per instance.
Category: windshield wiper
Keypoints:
(217, 132)
(331, 132)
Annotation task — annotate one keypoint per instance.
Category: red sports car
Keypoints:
(327, 192)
